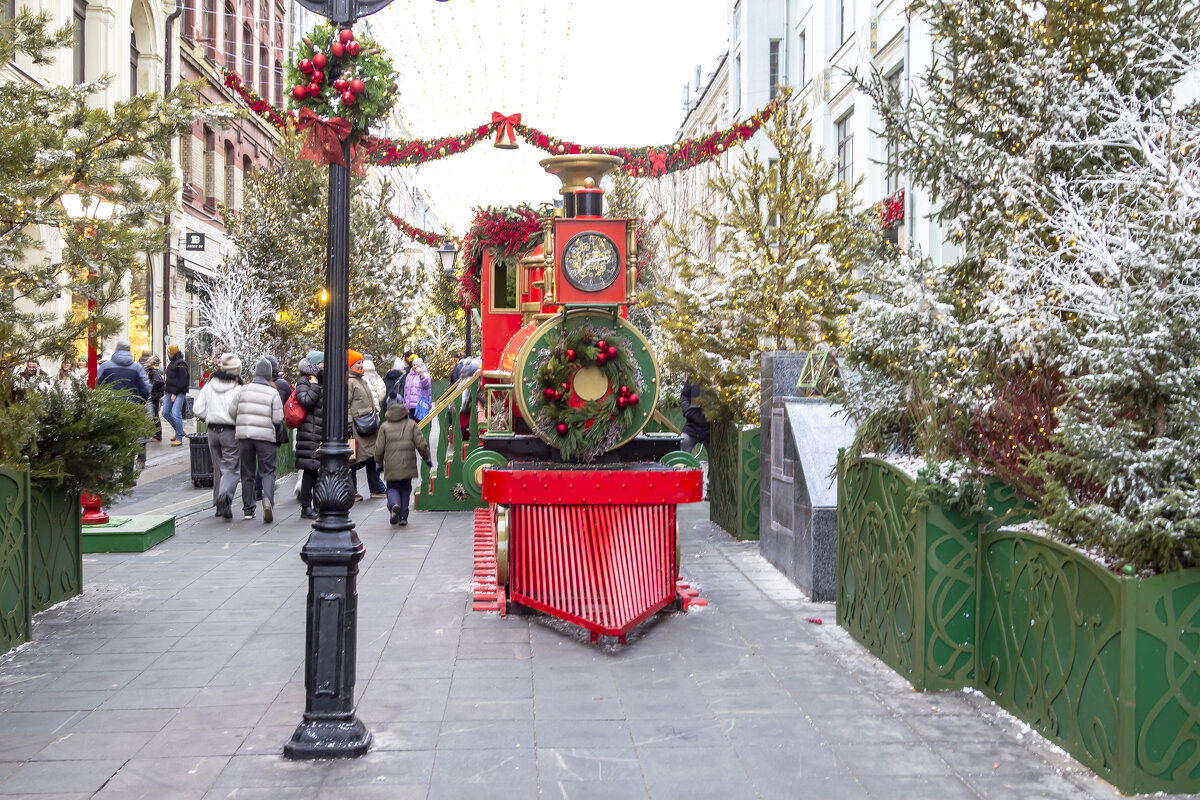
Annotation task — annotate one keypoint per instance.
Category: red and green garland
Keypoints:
(279, 119)
(427, 238)
(891, 209)
(639, 161)
(508, 233)
(585, 428)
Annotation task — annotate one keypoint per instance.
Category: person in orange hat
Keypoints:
(364, 424)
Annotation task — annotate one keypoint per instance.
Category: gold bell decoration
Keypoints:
(506, 135)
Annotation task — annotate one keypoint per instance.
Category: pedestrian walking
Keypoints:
(281, 383)
(123, 374)
(177, 379)
(397, 445)
(310, 394)
(217, 405)
(157, 390)
(257, 415)
(695, 423)
(364, 424)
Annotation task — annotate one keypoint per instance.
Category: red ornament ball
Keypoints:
(313, 89)
(347, 98)
(340, 86)
(353, 48)
(622, 402)
(624, 390)
(357, 86)
(319, 61)
(317, 76)
(337, 49)
(549, 393)
(299, 92)
(305, 66)
(602, 345)
(558, 395)
(633, 399)
(612, 351)
(345, 35)
(570, 355)
(561, 428)
(601, 358)
(566, 386)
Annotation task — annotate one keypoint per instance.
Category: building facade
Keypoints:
(814, 47)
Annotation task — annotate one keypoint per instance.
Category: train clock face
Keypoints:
(590, 261)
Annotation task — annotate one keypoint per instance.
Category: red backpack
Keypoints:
(293, 412)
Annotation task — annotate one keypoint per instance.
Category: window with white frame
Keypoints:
(892, 176)
(773, 69)
(802, 59)
(842, 21)
(845, 148)
(737, 83)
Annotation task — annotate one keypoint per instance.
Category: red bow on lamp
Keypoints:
(325, 136)
(658, 161)
(506, 137)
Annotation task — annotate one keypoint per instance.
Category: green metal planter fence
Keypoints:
(733, 478)
(1106, 667)
(41, 561)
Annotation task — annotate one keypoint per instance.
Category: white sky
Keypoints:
(596, 72)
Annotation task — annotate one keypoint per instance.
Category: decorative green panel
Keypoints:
(55, 547)
(15, 608)
(1049, 644)
(1166, 736)
(879, 587)
(443, 488)
(951, 554)
(1005, 506)
(733, 478)
(906, 577)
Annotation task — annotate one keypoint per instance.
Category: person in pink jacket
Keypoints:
(416, 386)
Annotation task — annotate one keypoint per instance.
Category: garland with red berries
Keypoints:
(279, 119)
(427, 238)
(891, 209)
(639, 161)
(508, 234)
(592, 427)
(336, 74)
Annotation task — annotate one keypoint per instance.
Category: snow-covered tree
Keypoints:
(792, 238)
(235, 314)
(1053, 351)
(280, 234)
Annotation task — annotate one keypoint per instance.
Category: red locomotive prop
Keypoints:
(581, 522)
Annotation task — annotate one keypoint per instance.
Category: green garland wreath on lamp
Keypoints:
(340, 74)
(609, 416)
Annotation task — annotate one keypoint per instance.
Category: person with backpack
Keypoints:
(310, 396)
(157, 390)
(257, 413)
(393, 383)
(398, 442)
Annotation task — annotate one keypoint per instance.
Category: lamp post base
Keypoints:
(332, 737)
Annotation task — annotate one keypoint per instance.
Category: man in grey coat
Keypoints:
(258, 413)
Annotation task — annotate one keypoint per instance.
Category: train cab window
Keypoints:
(504, 284)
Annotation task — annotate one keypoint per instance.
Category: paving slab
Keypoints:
(179, 674)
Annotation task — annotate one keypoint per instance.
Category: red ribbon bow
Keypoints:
(325, 137)
(506, 126)
(658, 162)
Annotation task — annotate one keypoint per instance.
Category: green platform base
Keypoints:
(135, 534)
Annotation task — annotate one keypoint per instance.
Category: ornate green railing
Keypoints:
(55, 545)
(733, 475)
(1107, 667)
(906, 577)
(15, 598)
(442, 488)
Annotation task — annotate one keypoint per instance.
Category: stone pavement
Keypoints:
(179, 675)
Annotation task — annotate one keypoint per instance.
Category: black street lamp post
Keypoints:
(447, 253)
(330, 728)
